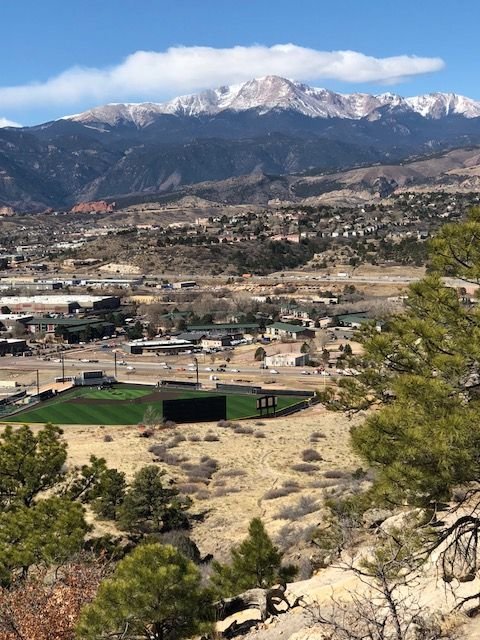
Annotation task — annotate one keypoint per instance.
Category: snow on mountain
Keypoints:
(439, 105)
(272, 93)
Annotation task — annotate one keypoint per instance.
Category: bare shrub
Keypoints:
(290, 482)
(311, 455)
(243, 429)
(336, 473)
(224, 491)
(232, 473)
(157, 449)
(293, 535)
(203, 494)
(211, 437)
(306, 505)
(146, 433)
(227, 424)
(259, 434)
(189, 488)
(259, 424)
(305, 467)
(201, 472)
(177, 438)
(206, 461)
(279, 492)
(108, 438)
(169, 424)
(194, 438)
(322, 483)
(316, 436)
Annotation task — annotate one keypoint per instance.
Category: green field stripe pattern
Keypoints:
(128, 411)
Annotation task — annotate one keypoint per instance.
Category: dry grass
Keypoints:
(247, 466)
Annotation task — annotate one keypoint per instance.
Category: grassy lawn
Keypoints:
(61, 410)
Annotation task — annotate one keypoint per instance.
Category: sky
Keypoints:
(60, 57)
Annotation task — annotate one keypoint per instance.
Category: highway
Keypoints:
(143, 371)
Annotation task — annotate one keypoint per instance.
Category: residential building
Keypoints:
(291, 331)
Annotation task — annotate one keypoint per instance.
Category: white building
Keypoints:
(286, 360)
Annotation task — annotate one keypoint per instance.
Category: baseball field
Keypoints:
(126, 404)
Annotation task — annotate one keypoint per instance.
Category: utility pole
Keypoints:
(63, 366)
(196, 368)
(115, 362)
(38, 384)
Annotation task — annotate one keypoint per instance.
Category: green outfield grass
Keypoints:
(129, 409)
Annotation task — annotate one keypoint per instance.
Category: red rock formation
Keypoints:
(99, 206)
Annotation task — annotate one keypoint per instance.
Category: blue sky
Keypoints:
(43, 40)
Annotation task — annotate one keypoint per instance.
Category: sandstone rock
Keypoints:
(99, 206)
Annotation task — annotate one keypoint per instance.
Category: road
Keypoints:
(152, 371)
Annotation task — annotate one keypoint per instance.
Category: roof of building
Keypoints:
(173, 342)
(223, 327)
(285, 326)
(351, 318)
(65, 322)
(60, 299)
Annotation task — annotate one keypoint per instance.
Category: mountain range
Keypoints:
(268, 125)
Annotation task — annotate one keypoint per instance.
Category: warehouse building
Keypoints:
(58, 304)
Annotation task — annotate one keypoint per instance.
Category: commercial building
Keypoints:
(232, 329)
(12, 346)
(72, 330)
(290, 331)
(287, 360)
(58, 304)
(186, 284)
(9, 321)
(216, 342)
(172, 346)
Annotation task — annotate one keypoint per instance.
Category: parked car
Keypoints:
(274, 371)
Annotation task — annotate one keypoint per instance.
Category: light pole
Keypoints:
(63, 366)
(196, 368)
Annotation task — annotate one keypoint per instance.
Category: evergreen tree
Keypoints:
(422, 373)
(50, 531)
(150, 506)
(256, 562)
(109, 494)
(29, 463)
(155, 593)
(260, 354)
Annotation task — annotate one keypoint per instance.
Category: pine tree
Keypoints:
(155, 593)
(29, 463)
(150, 506)
(256, 562)
(423, 375)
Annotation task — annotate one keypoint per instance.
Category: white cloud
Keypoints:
(155, 75)
(5, 122)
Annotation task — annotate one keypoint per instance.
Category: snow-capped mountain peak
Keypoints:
(273, 93)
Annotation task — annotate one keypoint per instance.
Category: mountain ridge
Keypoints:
(276, 93)
(121, 150)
